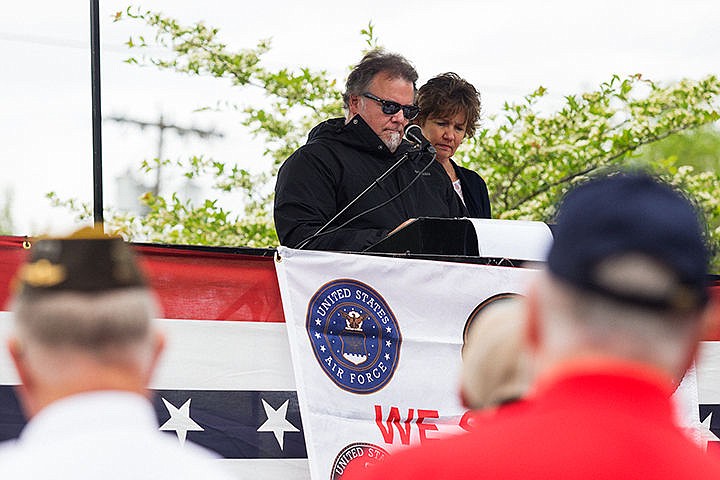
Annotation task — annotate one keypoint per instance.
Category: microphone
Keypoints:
(413, 133)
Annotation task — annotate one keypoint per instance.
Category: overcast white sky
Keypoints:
(506, 48)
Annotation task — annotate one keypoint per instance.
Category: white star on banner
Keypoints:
(276, 422)
(180, 421)
(706, 436)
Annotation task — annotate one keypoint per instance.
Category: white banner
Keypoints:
(227, 386)
(376, 348)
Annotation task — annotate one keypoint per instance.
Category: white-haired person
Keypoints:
(449, 114)
(85, 348)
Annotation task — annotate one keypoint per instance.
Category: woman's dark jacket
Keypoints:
(475, 192)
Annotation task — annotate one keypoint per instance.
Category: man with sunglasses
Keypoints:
(343, 156)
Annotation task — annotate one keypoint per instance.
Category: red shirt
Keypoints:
(611, 423)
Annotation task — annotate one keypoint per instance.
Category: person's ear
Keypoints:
(708, 329)
(711, 320)
(18, 358)
(158, 349)
(354, 104)
(25, 390)
(532, 325)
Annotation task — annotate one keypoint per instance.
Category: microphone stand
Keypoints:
(377, 181)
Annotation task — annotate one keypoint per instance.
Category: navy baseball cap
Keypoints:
(625, 214)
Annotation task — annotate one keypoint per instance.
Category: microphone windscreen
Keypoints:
(413, 133)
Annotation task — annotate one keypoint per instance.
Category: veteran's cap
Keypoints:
(86, 261)
(631, 213)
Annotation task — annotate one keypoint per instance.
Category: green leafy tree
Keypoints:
(528, 157)
(699, 148)
(295, 101)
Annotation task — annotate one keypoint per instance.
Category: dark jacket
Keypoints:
(475, 192)
(338, 162)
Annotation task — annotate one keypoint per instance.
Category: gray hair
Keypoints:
(574, 317)
(86, 321)
(374, 62)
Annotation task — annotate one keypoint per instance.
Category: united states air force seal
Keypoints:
(354, 335)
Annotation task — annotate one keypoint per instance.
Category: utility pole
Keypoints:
(162, 127)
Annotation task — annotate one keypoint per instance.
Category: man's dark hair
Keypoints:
(374, 62)
(446, 95)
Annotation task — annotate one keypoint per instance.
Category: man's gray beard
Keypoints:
(393, 142)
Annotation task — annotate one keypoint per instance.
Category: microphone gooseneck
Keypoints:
(324, 229)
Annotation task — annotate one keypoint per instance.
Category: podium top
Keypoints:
(516, 239)
(470, 237)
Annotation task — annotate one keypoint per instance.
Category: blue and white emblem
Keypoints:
(354, 335)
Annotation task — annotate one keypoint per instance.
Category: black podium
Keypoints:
(431, 236)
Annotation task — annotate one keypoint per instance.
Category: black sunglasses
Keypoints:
(391, 108)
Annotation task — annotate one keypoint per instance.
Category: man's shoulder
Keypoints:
(324, 137)
(331, 148)
(326, 133)
(153, 455)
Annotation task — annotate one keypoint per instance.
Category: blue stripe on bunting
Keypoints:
(12, 419)
(229, 420)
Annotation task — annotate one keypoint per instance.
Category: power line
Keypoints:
(58, 42)
(162, 126)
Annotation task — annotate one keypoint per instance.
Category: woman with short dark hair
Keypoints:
(449, 112)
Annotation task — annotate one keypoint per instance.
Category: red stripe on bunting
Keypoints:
(191, 283)
(195, 283)
(12, 255)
